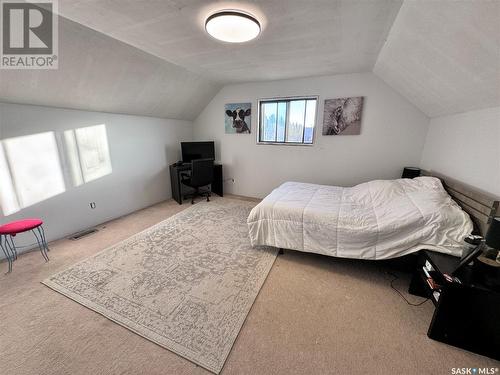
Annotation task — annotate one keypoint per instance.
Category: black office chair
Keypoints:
(202, 174)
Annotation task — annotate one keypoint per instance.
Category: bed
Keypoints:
(379, 219)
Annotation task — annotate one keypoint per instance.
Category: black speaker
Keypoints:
(411, 172)
(493, 236)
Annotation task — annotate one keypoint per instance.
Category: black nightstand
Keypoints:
(467, 314)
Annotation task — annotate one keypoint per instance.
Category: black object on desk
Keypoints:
(467, 312)
(411, 172)
(175, 180)
(197, 150)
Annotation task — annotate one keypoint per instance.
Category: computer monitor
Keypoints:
(197, 150)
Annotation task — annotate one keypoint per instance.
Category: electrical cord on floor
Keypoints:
(394, 278)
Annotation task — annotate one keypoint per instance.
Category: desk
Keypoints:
(175, 180)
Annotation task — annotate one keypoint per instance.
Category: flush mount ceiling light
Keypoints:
(232, 26)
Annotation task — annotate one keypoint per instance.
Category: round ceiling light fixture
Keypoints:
(232, 26)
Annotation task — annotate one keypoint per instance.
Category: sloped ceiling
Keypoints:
(153, 57)
(300, 37)
(444, 56)
(99, 73)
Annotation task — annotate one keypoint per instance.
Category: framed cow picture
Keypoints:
(342, 116)
(238, 118)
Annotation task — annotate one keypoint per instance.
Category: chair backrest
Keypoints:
(202, 172)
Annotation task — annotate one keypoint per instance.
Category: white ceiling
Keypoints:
(153, 57)
(99, 73)
(444, 56)
(300, 37)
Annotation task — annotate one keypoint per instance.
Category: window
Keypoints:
(287, 120)
(88, 153)
(30, 171)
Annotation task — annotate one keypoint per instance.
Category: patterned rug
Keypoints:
(186, 283)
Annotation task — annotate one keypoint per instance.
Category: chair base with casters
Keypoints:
(10, 230)
(198, 193)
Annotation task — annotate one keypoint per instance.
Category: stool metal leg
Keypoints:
(43, 238)
(41, 247)
(12, 246)
(6, 253)
(41, 233)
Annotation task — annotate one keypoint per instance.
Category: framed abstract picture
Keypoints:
(238, 118)
(342, 116)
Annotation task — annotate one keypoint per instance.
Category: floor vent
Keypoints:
(83, 233)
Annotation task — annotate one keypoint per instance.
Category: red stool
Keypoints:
(9, 231)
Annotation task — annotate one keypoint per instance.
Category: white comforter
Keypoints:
(375, 220)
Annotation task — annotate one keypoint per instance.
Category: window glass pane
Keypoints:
(296, 121)
(310, 116)
(8, 198)
(288, 120)
(35, 167)
(280, 134)
(268, 133)
(93, 150)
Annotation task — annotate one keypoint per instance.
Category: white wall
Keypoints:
(141, 149)
(392, 136)
(466, 146)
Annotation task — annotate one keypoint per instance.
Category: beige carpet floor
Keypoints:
(314, 315)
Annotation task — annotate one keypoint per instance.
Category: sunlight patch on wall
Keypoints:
(30, 171)
(87, 151)
(8, 197)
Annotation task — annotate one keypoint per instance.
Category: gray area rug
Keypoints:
(186, 283)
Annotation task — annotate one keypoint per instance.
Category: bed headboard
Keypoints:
(481, 206)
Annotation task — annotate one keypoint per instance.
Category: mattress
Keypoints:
(379, 219)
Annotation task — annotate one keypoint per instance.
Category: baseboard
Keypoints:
(243, 198)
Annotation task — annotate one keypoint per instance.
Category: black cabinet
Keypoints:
(177, 187)
(467, 314)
